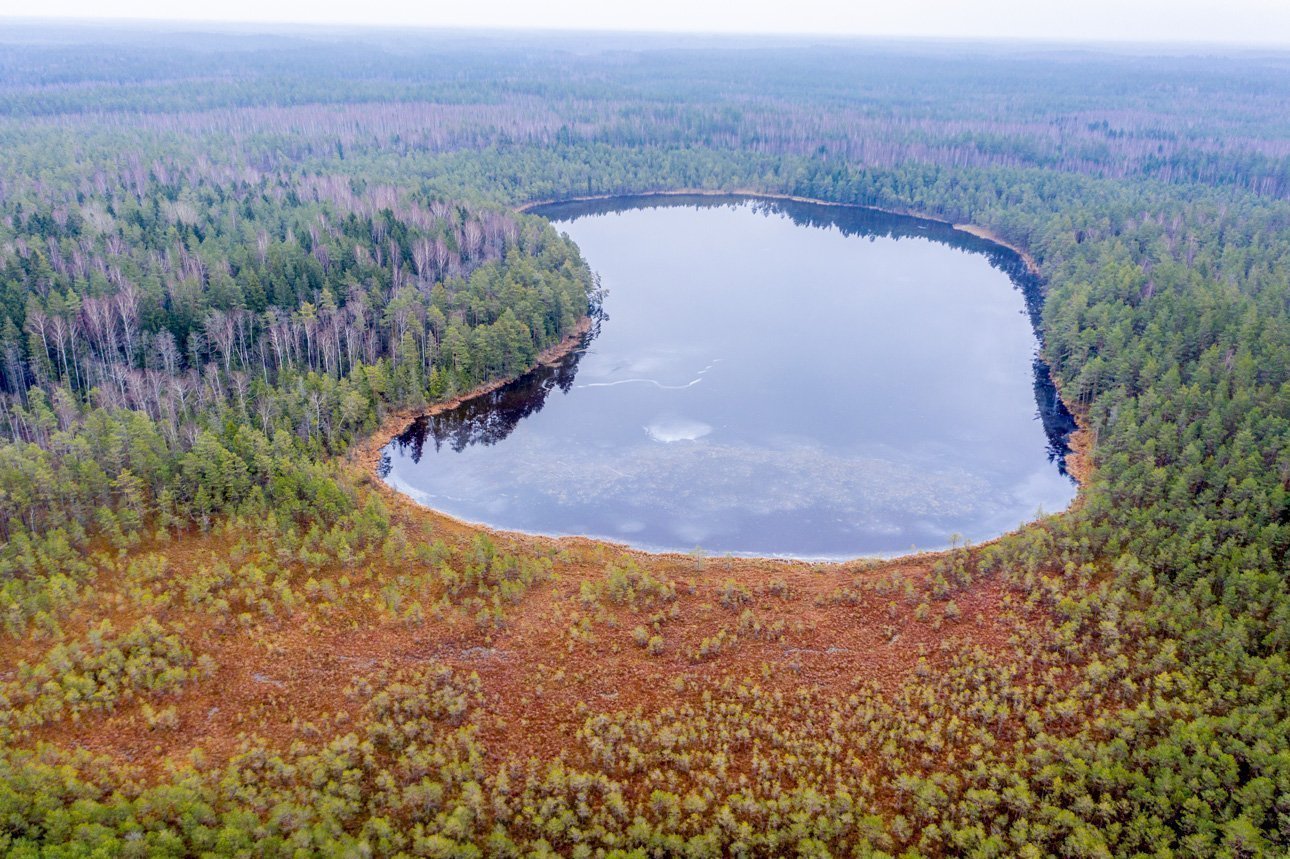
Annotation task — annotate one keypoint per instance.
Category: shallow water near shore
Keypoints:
(770, 378)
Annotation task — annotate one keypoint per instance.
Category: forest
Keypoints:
(232, 265)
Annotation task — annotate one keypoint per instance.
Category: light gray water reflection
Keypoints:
(772, 378)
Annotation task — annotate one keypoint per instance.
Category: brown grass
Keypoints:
(284, 681)
(284, 678)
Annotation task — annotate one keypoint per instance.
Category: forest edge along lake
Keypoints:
(840, 423)
(490, 419)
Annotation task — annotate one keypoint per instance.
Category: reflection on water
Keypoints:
(1058, 422)
(778, 378)
(490, 418)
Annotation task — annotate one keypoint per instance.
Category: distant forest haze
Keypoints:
(1236, 22)
(234, 264)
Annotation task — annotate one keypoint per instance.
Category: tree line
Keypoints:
(207, 293)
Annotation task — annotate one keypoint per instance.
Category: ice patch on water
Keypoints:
(653, 382)
(668, 430)
(714, 362)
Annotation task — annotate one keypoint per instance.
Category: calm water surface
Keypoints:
(770, 378)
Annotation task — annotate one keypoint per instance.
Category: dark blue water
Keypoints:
(771, 378)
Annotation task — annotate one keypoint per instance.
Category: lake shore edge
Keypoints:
(367, 454)
(971, 229)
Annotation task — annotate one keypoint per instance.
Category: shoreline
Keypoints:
(1079, 444)
(366, 455)
(971, 229)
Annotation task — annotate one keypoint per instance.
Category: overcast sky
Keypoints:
(1230, 21)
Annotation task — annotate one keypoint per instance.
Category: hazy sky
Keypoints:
(1240, 21)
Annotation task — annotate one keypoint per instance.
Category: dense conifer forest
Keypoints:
(230, 263)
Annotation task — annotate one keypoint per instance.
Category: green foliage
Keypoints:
(626, 584)
(146, 660)
(220, 268)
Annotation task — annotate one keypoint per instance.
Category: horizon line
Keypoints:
(127, 22)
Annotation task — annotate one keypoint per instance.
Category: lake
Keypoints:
(769, 378)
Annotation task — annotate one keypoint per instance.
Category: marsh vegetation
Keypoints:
(226, 261)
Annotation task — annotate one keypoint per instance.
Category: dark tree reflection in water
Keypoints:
(489, 418)
(779, 378)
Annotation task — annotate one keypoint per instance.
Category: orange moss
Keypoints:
(284, 680)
